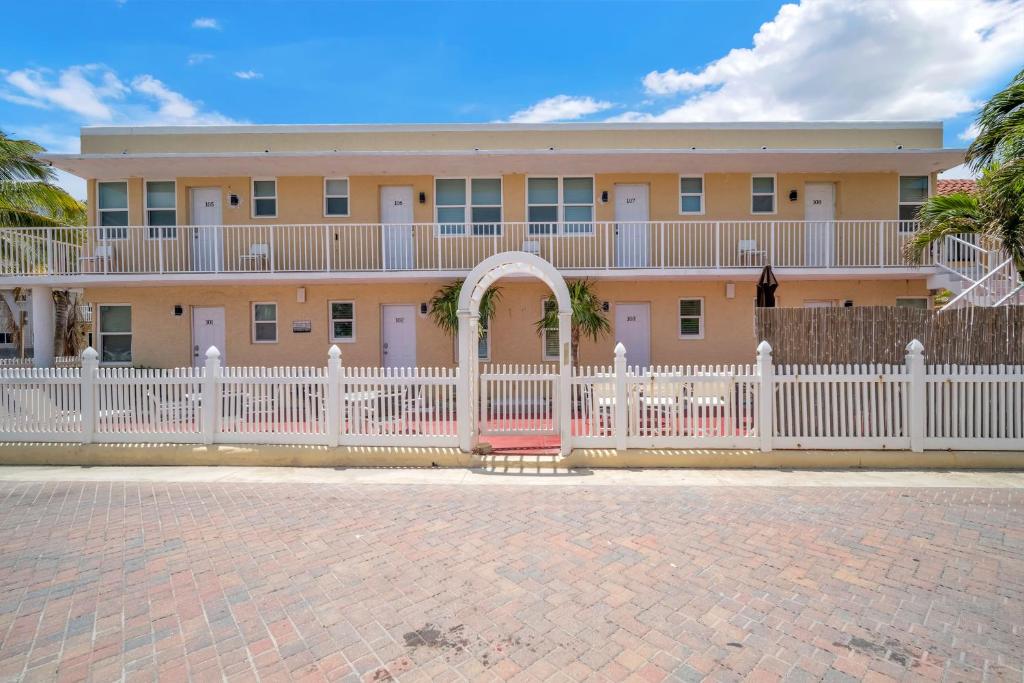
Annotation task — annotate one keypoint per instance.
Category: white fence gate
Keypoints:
(763, 406)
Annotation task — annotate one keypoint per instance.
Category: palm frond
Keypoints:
(1000, 126)
(18, 161)
(444, 306)
(943, 215)
(26, 203)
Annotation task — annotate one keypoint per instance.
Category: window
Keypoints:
(112, 207)
(919, 302)
(115, 333)
(565, 202)
(762, 198)
(264, 198)
(691, 318)
(264, 323)
(483, 344)
(480, 207)
(6, 338)
(913, 193)
(343, 321)
(161, 203)
(691, 195)
(550, 336)
(335, 196)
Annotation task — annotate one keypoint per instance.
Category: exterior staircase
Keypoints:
(978, 273)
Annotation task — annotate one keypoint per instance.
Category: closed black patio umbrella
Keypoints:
(766, 286)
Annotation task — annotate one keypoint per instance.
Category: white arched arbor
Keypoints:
(486, 273)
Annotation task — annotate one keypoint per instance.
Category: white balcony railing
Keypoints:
(349, 247)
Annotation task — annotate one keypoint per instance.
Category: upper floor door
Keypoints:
(396, 217)
(207, 247)
(820, 212)
(632, 213)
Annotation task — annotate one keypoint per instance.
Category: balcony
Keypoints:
(428, 249)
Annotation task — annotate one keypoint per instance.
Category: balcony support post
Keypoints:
(43, 322)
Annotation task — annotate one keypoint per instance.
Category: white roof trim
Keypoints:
(482, 127)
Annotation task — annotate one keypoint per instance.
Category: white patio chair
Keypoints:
(531, 247)
(101, 256)
(749, 254)
(258, 257)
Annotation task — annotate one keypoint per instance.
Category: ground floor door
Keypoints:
(207, 247)
(820, 212)
(633, 330)
(396, 217)
(632, 230)
(398, 335)
(207, 331)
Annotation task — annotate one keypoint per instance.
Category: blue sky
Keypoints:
(144, 62)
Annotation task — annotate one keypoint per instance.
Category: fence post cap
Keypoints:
(90, 353)
(620, 350)
(915, 346)
(212, 352)
(764, 347)
(334, 352)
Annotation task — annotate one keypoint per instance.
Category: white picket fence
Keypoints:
(762, 406)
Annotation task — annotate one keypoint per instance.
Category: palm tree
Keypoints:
(444, 307)
(588, 318)
(30, 199)
(996, 209)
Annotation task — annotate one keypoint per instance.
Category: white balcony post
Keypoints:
(718, 245)
(273, 247)
(211, 380)
(619, 418)
(90, 367)
(49, 251)
(333, 426)
(43, 322)
(916, 412)
(766, 395)
(328, 246)
(881, 244)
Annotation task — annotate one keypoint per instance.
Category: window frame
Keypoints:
(252, 323)
(926, 299)
(347, 196)
(702, 195)
(545, 331)
(700, 318)
(902, 224)
(253, 197)
(468, 206)
(160, 229)
(100, 334)
(331, 319)
(560, 207)
(774, 194)
(103, 229)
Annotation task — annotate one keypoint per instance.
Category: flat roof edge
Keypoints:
(281, 128)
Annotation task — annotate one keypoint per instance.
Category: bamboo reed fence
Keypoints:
(880, 334)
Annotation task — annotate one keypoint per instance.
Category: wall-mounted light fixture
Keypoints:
(848, 303)
(179, 310)
(423, 197)
(605, 306)
(423, 308)
(604, 196)
(792, 195)
(233, 199)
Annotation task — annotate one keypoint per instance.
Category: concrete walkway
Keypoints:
(523, 476)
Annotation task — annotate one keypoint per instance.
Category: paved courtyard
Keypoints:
(321, 581)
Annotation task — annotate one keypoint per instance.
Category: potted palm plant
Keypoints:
(588, 318)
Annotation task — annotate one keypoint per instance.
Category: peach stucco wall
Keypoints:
(162, 339)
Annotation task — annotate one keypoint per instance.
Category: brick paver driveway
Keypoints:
(418, 582)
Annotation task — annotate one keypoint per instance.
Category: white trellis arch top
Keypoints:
(493, 268)
(480, 278)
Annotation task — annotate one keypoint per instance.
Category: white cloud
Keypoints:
(969, 133)
(206, 22)
(248, 75)
(198, 58)
(853, 60)
(559, 108)
(96, 94)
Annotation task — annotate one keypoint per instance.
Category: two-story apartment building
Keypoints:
(274, 241)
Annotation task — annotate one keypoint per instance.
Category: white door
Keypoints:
(632, 211)
(398, 337)
(207, 331)
(207, 249)
(633, 330)
(820, 212)
(396, 231)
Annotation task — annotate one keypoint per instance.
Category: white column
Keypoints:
(915, 368)
(620, 417)
(43, 320)
(463, 390)
(766, 395)
(90, 365)
(210, 394)
(333, 426)
(565, 381)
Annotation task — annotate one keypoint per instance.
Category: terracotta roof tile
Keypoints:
(951, 185)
